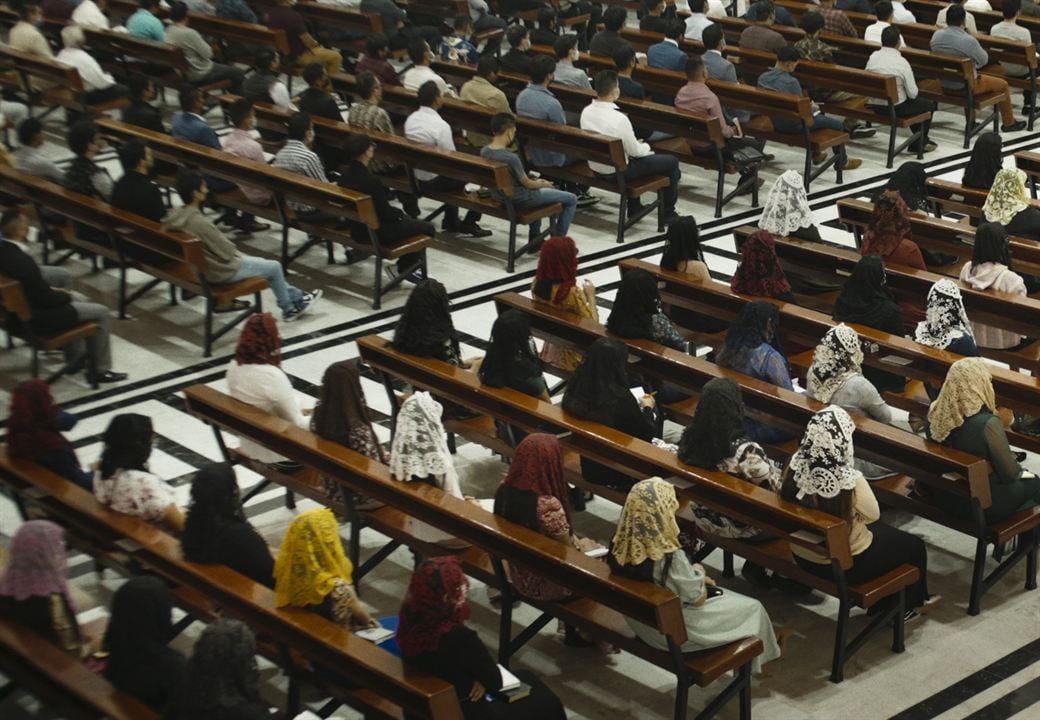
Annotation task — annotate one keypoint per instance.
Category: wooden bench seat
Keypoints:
(49, 83)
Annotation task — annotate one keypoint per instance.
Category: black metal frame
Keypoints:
(980, 583)
(810, 174)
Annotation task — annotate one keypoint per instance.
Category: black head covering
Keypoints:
(509, 353)
(985, 161)
(759, 322)
(634, 307)
(717, 423)
(600, 382)
(426, 327)
(909, 181)
(864, 298)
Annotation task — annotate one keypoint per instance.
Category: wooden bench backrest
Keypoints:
(812, 73)
(13, 300)
(641, 40)
(918, 35)
(928, 10)
(45, 69)
(122, 44)
(322, 15)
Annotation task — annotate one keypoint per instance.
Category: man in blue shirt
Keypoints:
(667, 54)
(144, 24)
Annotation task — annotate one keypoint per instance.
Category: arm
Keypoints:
(686, 580)
(715, 111)
(1001, 458)
(634, 147)
(634, 420)
(978, 53)
(775, 369)
(285, 403)
(552, 520)
(909, 82)
(280, 96)
(864, 502)
(199, 45)
(871, 402)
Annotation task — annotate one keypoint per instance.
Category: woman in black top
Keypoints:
(511, 361)
(985, 162)
(139, 661)
(599, 391)
(425, 327)
(216, 530)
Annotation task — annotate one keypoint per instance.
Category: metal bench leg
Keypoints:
(290, 499)
(838, 664)
(891, 145)
(745, 691)
(977, 571)
(969, 125)
(207, 350)
(899, 624)
(622, 215)
(727, 564)
(511, 257)
(1033, 540)
(720, 188)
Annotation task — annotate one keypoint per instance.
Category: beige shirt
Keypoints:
(480, 92)
(865, 511)
(26, 38)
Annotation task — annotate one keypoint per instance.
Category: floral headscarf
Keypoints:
(419, 447)
(759, 272)
(823, 463)
(787, 207)
(38, 565)
(1007, 198)
(434, 605)
(837, 358)
(310, 560)
(647, 529)
(945, 319)
(968, 389)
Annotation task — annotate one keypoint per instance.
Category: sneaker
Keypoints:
(852, 164)
(1014, 127)
(586, 199)
(413, 277)
(306, 303)
(930, 604)
(862, 132)
(910, 616)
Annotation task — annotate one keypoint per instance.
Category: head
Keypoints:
(614, 18)
(14, 225)
(647, 530)
(674, 29)
(267, 61)
(341, 404)
(377, 46)
(1011, 10)
(634, 307)
(369, 87)
(986, 159)
(682, 243)
(764, 13)
(695, 70)
(190, 99)
(178, 12)
(812, 23)
(30, 132)
(837, 358)
(136, 156)
(316, 77)
(786, 209)
(821, 474)
(600, 382)
(242, 115)
(967, 390)
(463, 26)
(83, 139)
(653, 7)
(28, 11)
(487, 67)
(259, 342)
(945, 318)
(127, 444)
(566, 47)
(535, 470)
(625, 59)
(606, 85)
(419, 52)
(141, 88)
(519, 38)
(510, 345)
(222, 671)
(760, 272)
(888, 225)
(37, 565)
(713, 37)
(139, 626)
(717, 423)
(787, 58)
(299, 127)
(215, 503)
(883, 11)
(149, 5)
(542, 69)
(891, 37)
(910, 181)
(425, 324)
(991, 245)
(310, 561)
(955, 16)
(698, 6)
(32, 426)
(503, 127)
(359, 148)
(758, 323)
(72, 37)
(557, 265)
(434, 604)
(191, 186)
(429, 95)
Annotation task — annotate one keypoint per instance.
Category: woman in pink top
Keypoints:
(889, 236)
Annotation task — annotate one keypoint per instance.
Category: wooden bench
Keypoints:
(47, 82)
(286, 186)
(1029, 163)
(789, 523)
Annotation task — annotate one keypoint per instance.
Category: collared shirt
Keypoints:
(197, 52)
(88, 14)
(606, 42)
(567, 74)
(873, 33)
(666, 54)
(698, 97)
(480, 92)
(889, 61)
(1012, 31)
(143, 24)
(606, 119)
(836, 22)
(695, 25)
(538, 103)
(811, 47)
(298, 158)
(28, 39)
(31, 160)
(418, 75)
(241, 144)
(901, 15)
(382, 69)
(90, 72)
(956, 41)
(370, 116)
(719, 68)
(781, 81)
(426, 126)
(969, 20)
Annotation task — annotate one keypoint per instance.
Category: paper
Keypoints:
(375, 635)
(596, 552)
(895, 360)
(509, 680)
(487, 503)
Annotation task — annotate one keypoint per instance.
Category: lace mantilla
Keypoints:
(1007, 197)
(419, 447)
(823, 464)
(837, 358)
(945, 319)
(647, 529)
(787, 208)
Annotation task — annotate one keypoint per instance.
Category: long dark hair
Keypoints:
(600, 382)
(635, 305)
(840, 506)
(991, 245)
(425, 327)
(127, 444)
(909, 180)
(985, 161)
(341, 403)
(717, 423)
(222, 672)
(215, 503)
(682, 243)
(138, 630)
(509, 349)
(759, 322)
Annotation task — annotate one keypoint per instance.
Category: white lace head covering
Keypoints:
(420, 446)
(837, 358)
(787, 207)
(1007, 197)
(823, 463)
(945, 319)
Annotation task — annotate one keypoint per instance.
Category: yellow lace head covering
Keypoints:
(647, 529)
(968, 388)
(310, 560)
(1007, 197)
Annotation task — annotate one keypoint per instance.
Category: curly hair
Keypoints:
(215, 503)
(222, 672)
(259, 342)
(888, 225)
(425, 327)
(33, 426)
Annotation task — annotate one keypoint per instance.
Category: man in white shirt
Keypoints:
(697, 21)
(100, 86)
(900, 14)
(969, 21)
(25, 36)
(90, 14)
(420, 72)
(889, 61)
(426, 126)
(1010, 29)
(603, 116)
(883, 11)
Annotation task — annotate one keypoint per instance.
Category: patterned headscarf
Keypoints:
(945, 319)
(888, 225)
(537, 466)
(38, 565)
(434, 605)
(787, 207)
(1007, 197)
(310, 560)
(837, 358)
(759, 272)
(647, 529)
(558, 265)
(967, 390)
(823, 463)
(419, 447)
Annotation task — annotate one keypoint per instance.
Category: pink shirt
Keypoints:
(697, 97)
(241, 144)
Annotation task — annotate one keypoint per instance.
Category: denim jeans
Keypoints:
(271, 271)
(547, 196)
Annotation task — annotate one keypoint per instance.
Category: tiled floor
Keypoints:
(955, 666)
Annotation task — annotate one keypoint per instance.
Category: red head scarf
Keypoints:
(537, 466)
(259, 343)
(558, 263)
(888, 225)
(32, 428)
(759, 272)
(435, 603)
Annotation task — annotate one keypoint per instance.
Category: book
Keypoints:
(375, 635)
(509, 680)
(513, 688)
(596, 552)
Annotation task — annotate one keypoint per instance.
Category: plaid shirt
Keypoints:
(836, 22)
(370, 116)
(298, 158)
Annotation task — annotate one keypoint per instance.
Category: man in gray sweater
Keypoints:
(199, 54)
(224, 263)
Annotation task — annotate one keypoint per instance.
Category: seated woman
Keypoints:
(910, 182)
(511, 361)
(425, 327)
(753, 347)
(682, 254)
(946, 324)
(122, 481)
(1008, 204)
(342, 416)
(222, 681)
(419, 453)
(836, 378)
(965, 417)
(556, 282)
(313, 572)
(759, 272)
(255, 377)
(433, 637)
(34, 433)
(985, 162)
(821, 475)
(990, 269)
(216, 531)
(888, 236)
(647, 547)
(865, 300)
(786, 212)
(140, 663)
(34, 589)
(599, 391)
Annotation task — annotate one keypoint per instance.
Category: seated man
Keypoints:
(481, 90)
(29, 158)
(781, 79)
(224, 263)
(654, 17)
(394, 225)
(548, 27)
(52, 308)
(399, 28)
(318, 101)
(516, 60)
(566, 49)
(100, 86)
(482, 17)
(198, 53)
(420, 72)
(625, 63)
(884, 12)
(781, 14)
(426, 126)
(835, 22)
(296, 156)
(760, 35)
(25, 36)
(241, 143)
(303, 48)
(144, 24)
(265, 84)
(459, 45)
(697, 20)
(603, 116)
(377, 47)
(969, 20)
(140, 111)
(135, 192)
(667, 54)
(1010, 29)
(608, 40)
(527, 192)
(889, 61)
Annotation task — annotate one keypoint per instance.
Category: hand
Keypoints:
(586, 544)
(648, 401)
(700, 568)
(545, 184)
(738, 131)
(476, 693)
(472, 500)
(710, 582)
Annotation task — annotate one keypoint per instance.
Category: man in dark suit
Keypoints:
(51, 306)
(394, 225)
(667, 54)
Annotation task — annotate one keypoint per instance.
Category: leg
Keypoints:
(985, 84)
(99, 344)
(13, 112)
(489, 22)
(223, 72)
(658, 165)
(285, 294)
(56, 277)
(402, 230)
(330, 59)
(548, 196)
(828, 123)
(112, 92)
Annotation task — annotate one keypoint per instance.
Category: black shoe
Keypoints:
(573, 638)
(253, 226)
(1014, 127)
(586, 200)
(671, 217)
(229, 218)
(474, 230)
(756, 574)
(634, 208)
(450, 226)
(862, 132)
(233, 306)
(106, 377)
